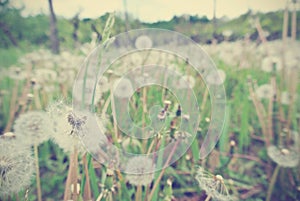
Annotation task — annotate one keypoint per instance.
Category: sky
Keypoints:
(150, 10)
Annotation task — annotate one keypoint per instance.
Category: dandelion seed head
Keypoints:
(33, 127)
(61, 128)
(16, 167)
(16, 73)
(265, 91)
(283, 157)
(270, 64)
(143, 42)
(140, 170)
(213, 185)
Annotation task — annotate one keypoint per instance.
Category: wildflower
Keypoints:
(270, 64)
(33, 127)
(16, 167)
(143, 41)
(123, 88)
(216, 77)
(283, 157)
(186, 82)
(213, 185)
(139, 170)
(265, 91)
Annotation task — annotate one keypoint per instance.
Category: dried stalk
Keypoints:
(162, 171)
(260, 113)
(87, 194)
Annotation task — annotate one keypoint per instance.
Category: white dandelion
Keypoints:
(265, 91)
(63, 131)
(17, 73)
(270, 64)
(140, 170)
(16, 166)
(285, 98)
(283, 157)
(143, 41)
(213, 185)
(33, 127)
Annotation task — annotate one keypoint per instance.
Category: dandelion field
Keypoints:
(48, 147)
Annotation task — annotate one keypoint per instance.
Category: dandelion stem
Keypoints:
(115, 136)
(143, 116)
(272, 183)
(204, 99)
(270, 110)
(37, 100)
(138, 195)
(37, 169)
(260, 113)
(162, 171)
(292, 92)
(87, 188)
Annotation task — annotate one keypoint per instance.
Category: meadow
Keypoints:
(50, 146)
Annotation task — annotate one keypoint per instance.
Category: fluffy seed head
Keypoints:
(62, 129)
(283, 157)
(143, 42)
(33, 127)
(140, 170)
(16, 167)
(213, 185)
(264, 91)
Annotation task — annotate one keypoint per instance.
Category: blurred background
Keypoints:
(253, 43)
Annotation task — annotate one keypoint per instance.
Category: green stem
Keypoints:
(37, 169)
(272, 183)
